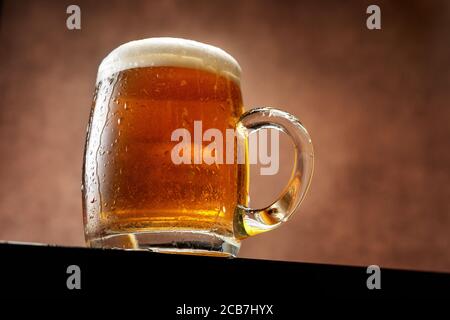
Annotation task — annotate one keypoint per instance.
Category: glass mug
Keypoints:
(135, 196)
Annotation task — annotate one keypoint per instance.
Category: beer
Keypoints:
(166, 158)
(131, 184)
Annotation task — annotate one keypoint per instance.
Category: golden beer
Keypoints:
(135, 195)
(130, 181)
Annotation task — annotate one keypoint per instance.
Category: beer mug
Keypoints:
(142, 189)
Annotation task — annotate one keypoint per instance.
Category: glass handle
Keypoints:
(248, 221)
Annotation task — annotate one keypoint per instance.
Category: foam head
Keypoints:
(176, 52)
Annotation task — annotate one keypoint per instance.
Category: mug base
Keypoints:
(174, 242)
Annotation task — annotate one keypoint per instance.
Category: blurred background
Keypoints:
(376, 104)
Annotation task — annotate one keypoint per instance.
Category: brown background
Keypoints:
(375, 102)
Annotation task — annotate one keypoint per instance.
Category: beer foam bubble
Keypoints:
(176, 52)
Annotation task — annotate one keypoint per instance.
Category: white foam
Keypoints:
(174, 52)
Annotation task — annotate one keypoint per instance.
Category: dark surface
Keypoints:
(167, 281)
